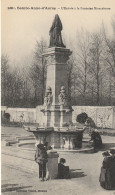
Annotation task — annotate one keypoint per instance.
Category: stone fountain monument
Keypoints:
(57, 127)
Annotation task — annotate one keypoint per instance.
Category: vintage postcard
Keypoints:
(58, 97)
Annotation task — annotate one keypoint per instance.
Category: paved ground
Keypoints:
(19, 171)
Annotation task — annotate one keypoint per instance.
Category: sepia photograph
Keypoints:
(58, 97)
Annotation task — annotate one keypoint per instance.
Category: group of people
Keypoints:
(90, 125)
(107, 175)
(41, 157)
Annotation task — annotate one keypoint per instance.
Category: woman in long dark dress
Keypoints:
(107, 175)
(112, 169)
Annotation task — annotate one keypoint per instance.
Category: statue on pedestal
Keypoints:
(55, 33)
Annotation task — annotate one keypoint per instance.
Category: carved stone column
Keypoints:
(57, 82)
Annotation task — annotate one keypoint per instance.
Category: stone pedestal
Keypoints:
(57, 110)
(52, 165)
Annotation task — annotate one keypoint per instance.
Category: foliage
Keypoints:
(91, 73)
(81, 118)
(38, 73)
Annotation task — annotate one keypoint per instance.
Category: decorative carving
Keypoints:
(55, 33)
(50, 59)
(57, 58)
(62, 98)
(48, 97)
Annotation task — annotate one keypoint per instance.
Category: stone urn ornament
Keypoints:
(48, 97)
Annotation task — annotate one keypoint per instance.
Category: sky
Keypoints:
(22, 25)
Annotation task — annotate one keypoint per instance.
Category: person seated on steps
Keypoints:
(63, 171)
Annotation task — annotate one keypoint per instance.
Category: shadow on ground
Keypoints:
(76, 173)
(107, 146)
(12, 187)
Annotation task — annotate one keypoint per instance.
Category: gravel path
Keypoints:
(19, 174)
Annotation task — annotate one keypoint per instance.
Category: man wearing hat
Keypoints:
(41, 159)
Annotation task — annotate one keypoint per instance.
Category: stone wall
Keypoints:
(104, 117)
(21, 114)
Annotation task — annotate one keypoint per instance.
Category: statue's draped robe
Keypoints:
(55, 33)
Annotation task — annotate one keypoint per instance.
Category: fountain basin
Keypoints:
(86, 148)
(59, 137)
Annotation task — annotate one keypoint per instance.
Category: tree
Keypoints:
(82, 63)
(110, 43)
(96, 61)
(16, 85)
(109, 60)
(26, 86)
(38, 72)
(14, 91)
(4, 79)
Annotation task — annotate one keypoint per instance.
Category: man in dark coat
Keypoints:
(41, 159)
